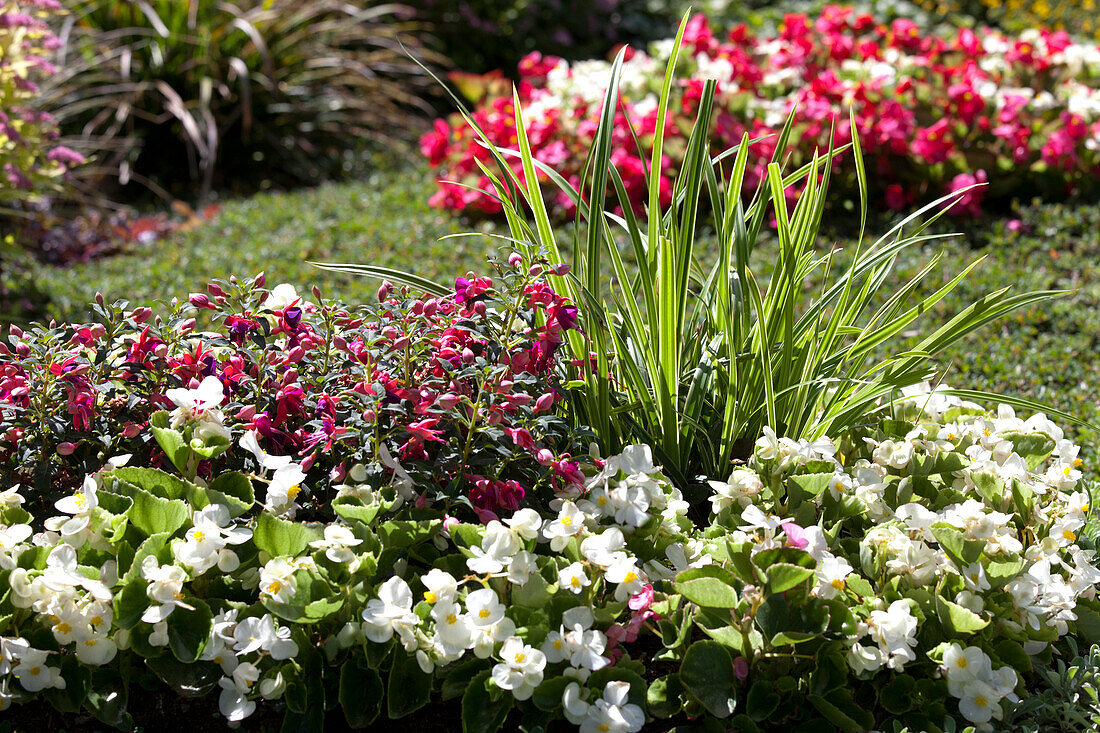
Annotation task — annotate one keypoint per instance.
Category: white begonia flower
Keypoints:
(628, 502)
(521, 668)
(971, 517)
(573, 703)
(569, 523)
(755, 519)
(34, 674)
(974, 577)
(484, 607)
(165, 590)
(526, 524)
(521, 566)
(604, 549)
(612, 713)
(391, 612)
(11, 649)
(259, 633)
(892, 454)
(10, 536)
(831, 572)
(76, 528)
(200, 404)
(95, 650)
(337, 543)
(283, 296)
(277, 580)
(284, 488)
(232, 702)
(584, 648)
(979, 702)
(272, 688)
(894, 630)
(11, 498)
(498, 546)
(573, 578)
(865, 658)
(964, 666)
(204, 545)
(743, 485)
(440, 586)
(453, 629)
(159, 635)
(251, 443)
(402, 481)
(630, 578)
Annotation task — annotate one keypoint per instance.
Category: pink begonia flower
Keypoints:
(795, 536)
(970, 203)
(740, 668)
(641, 600)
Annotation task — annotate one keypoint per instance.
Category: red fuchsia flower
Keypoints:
(240, 327)
(466, 290)
(521, 438)
(492, 496)
(567, 475)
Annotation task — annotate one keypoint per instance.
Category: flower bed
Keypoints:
(934, 114)
(381, 502)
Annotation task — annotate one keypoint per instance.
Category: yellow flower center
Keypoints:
(218, 659)
(64, 628)
(962, 662)
(1067, 470)
(520, 658)
(630, 577)
(430, 597)
(839, 583)
(484, 613)
(557, 643)
(575, 582)
(601, 500)
(274, 587)
(36, 671)
(1085, 508)
(293, 491)
(1077, 463)
(178, 595)
(566, 521)
(603, 728)
(89, 642)
(95, 621)
(199, 535)
(980, 701)
(452, 619)
(987, 432)
(80, 499)
(1069, 535)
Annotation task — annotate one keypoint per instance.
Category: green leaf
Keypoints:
(663, 696)
(860, 586)
(154, 481)
(408, 688)
(835, 715)
(1088, 622)
(784, 576)
(1034, 448)
(480, 712)
(958, 620)
(1012, 653)
(707, 673)
(195, 679)
(999, 573)
(808, 485)
(234, 490)
(361, 693)
(399, 534)
(130, 603)
(761, 701)
(710, 586)
(279, 538)
(154, 515)
(788, 555)
(188, 631)
(171, 441)
(962, 551)
(351, 508)
(898, 695)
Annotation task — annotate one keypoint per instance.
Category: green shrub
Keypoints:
(216, 93)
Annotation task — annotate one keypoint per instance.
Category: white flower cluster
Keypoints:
(980, 688)
(231, 641)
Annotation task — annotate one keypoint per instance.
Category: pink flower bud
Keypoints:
(338, 472)
(494, 418)
(448, 401)
(479, 307)
(560, 270)
(66, 449)
(535, 270)
(131, 430)
(544, 457)
(246, 413)
(16, 331)
(369, 415)
(215, 290)
(544, 402)
(187, 325)
(141, 315)
(307, 462)
(199, 300)
(431, 307)
(468, 355)
(515, 259)
(740, 668)
(260, 280)
(384, 290)
(316, 292)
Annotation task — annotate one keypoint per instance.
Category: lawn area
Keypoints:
(1044, 352)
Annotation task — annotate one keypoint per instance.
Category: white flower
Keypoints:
(573, 578)
(979, 702)
(573, 704)
(612, 713)
(13, 535)
(894, 630)
(484, 606)
(159, 637)
(498, 545)
(452, 627)
(251, 443)
(628, 575)
(521, 566)
(277, 580)
(204, 545)
(285, 486)
(526, 523)
(965, 665)
(743, 485)
(520, 669)
(337, 543)
(233, 703)
(260, 634)
(95, 649)
(165, 589)
(390, 612)
(831, 574)
(605, 548)
(569, 523)
(34, 674)
(441, 586)
(200, 404)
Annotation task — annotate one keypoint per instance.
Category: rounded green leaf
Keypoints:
(707, 673)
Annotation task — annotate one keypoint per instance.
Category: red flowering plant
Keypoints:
(451, 393)
(934, 114)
